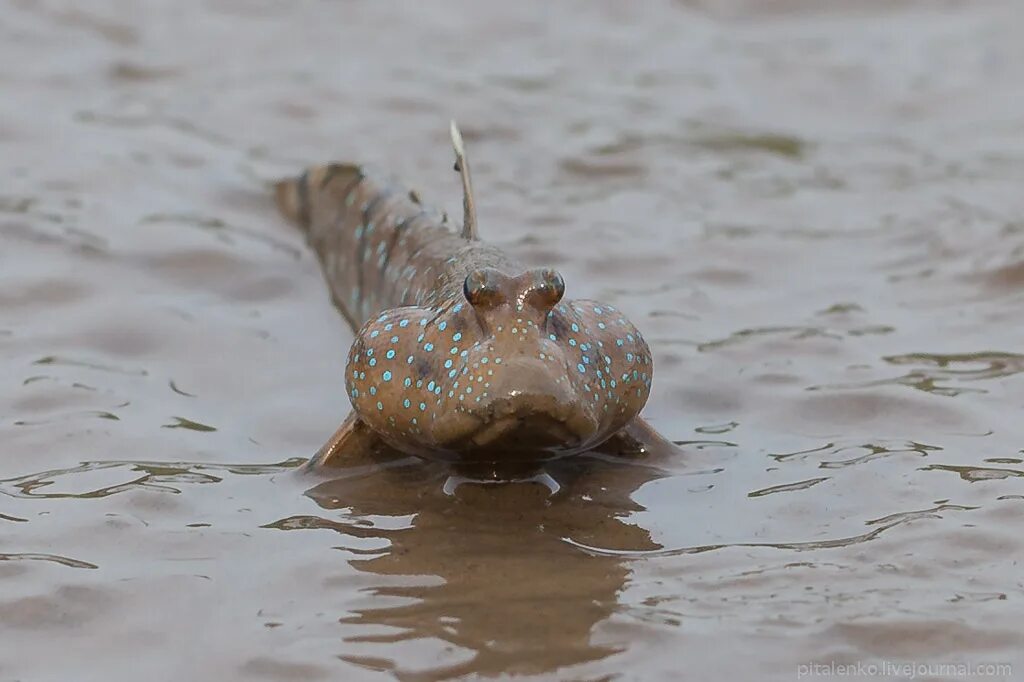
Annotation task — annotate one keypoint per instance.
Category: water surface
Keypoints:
(813, 210)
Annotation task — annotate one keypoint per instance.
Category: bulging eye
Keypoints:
(482, 288)
(551, 287)
(546, 288)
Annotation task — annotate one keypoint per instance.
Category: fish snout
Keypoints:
(538, 399)
(536, 412)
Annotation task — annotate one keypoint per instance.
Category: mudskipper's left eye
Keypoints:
(549, 287)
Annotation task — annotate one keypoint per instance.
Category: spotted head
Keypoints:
(505, 370)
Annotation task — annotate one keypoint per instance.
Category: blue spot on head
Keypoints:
(452, 373)
(572, 342)
(394, 339)
(388, 327)
(387, 375)
(484, 360)
(457, 337)
(629, 357)
(423, 407)
(457, 308)
(442, 326)
(552, 337)
(455, 350)
(391, 353)
(406, 403)
(407, 383)
(598, 311)
(355, 392)
(575, 327)
(430, 386)
(618, 342)
(581, 368)
(423, 322)
(447, 363)
(374, 334)
(602, 325)
(380, 406)
(428, 347)
(373, 390)
(373, 362)
(369, 352)
(409, 360)
(403, 323)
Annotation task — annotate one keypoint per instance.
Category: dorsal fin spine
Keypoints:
(469, 229)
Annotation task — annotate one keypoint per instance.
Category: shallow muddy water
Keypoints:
(813, 210)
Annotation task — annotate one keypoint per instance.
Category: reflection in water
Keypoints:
(506, 585)
(495, 574)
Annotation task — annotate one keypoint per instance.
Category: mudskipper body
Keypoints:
(462, 354)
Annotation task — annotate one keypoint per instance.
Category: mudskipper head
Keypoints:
(507, 371)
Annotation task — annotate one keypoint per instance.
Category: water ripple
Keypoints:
(975, 474)
(54, 558)
(794, 333)
(158, 476)
(788, 487)
(887, 523)
(940, 370)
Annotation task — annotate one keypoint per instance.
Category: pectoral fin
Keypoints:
(639, 438)
(353, 443)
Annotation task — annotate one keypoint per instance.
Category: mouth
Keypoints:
(519, 426)
(537, 430)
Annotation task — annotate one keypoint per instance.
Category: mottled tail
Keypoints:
(297, 197)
